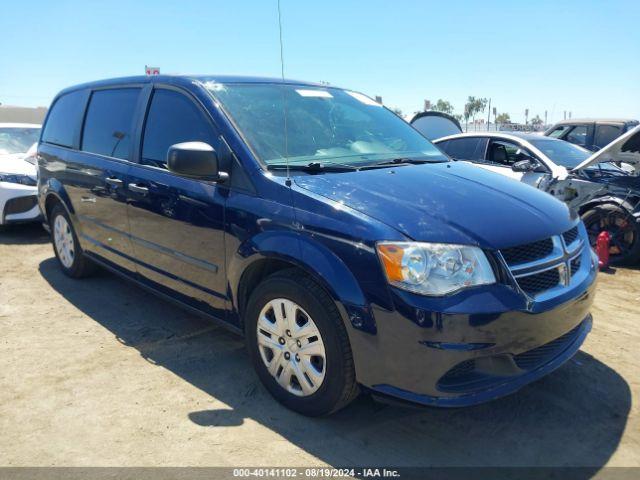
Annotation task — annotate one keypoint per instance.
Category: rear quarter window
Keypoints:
(64, 119)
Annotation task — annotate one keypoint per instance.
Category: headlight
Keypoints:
(434, 268)
(20, 179)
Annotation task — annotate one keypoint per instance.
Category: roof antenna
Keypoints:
(284, 97)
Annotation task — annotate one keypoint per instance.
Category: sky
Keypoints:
(577, 56)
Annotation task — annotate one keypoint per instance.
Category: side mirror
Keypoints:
(195, 160)
(523, 166)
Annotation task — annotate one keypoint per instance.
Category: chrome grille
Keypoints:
(528, 253)
(546, 265)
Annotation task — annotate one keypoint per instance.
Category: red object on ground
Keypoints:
(602, 249)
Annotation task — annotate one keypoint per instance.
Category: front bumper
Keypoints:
(473, 347)
(18, 203)
(489, 386)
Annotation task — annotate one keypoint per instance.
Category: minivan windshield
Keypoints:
(17, 139)
(326, 126)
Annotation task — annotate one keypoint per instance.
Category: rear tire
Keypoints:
(282, 348)
(623, 228)
(66, 247)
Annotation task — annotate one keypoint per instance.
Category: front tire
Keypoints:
(299, 346)
(624, 230)
(66, 247)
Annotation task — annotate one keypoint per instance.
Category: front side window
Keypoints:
(64, 119)
(466, 148)
(504, 152)
(109, 123)
(605, 134)
(578, 135)
(172, 118)
(304, 124)
(559, 131)
(17, 139)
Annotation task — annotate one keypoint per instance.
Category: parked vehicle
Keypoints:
(592, 134)
(18, 192)
(347, 249)
(604, 194)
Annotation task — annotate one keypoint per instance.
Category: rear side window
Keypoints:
(109, 123)
(64, 119)
(605, 134)
(173, 118)
(466, 148)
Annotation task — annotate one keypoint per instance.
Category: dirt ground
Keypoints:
(100, 373)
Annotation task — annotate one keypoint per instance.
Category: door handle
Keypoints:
(114, 182)
(138, 189)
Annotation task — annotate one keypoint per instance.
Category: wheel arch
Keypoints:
(606, 200)
(53, 193)
(273, 252)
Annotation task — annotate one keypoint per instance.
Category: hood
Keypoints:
(451, 202)
(625, 149)
(15, 163)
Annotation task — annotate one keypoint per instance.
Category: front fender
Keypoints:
(310, 256)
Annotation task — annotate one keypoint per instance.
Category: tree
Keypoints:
(503, 118)
(472, 107)
(397, 111)
(468, 110)
(442, 106)
(481, 104)
(537, 121)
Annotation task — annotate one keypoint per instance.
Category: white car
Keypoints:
(603, 187)
(18, 173)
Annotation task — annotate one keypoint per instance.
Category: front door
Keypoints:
(177, 223)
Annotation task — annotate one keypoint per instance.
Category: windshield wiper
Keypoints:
(314, 167)
(401, 161)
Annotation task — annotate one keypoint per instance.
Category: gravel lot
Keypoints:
(101, 373)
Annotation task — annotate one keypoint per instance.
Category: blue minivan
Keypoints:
(346, 248)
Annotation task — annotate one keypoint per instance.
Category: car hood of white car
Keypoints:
(15, 163)
(625, 149)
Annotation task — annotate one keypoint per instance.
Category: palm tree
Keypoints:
(503, 118)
